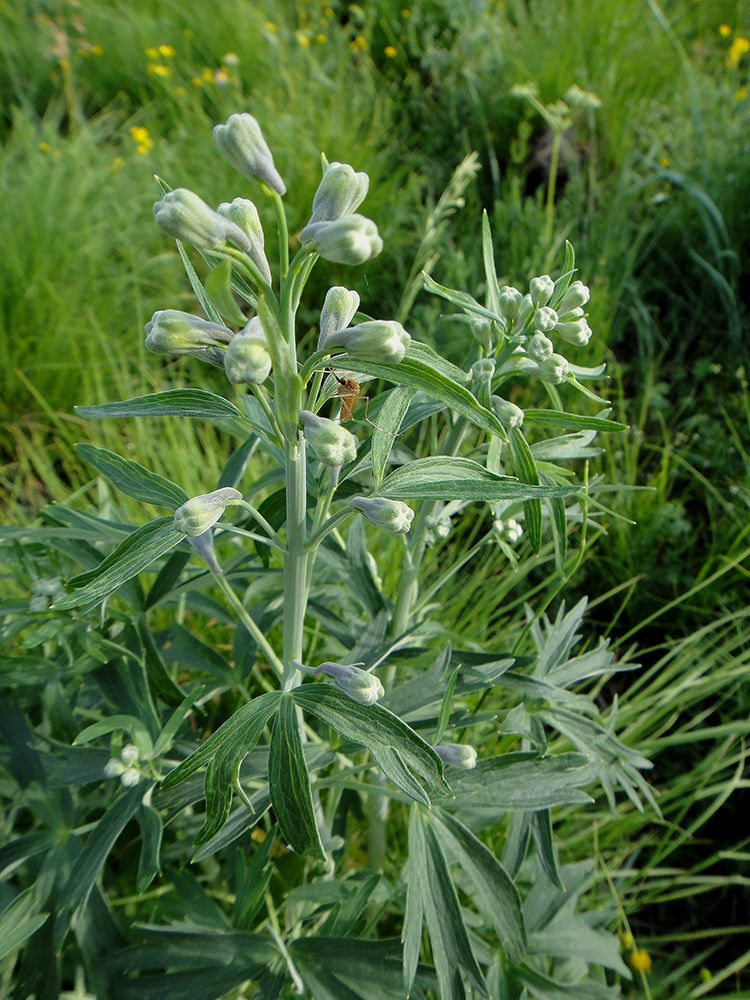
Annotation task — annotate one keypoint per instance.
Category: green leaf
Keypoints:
(560, 531)
(171, 403)
(411, 934)
(541, 829)
(393, 745)
(574, 421)
(18, 921)
(118, 723)
(522, 781)
(416, 372)
(461, 299)
(488, 255)
(527, 472)
(391, 414)
(289, 783)
(234, 470)
(149, 864)
(132, 479)
(562, 283)
(544, 988)
(219, 291)
(132, 555)
(445, 708)
(452, 478)
(451, 950)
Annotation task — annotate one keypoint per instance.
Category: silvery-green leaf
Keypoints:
(132, 479)
(523, 781)
(488, 256)
(462, 299)
(555, 418)
(388, 423)
(527, 472)
(149, 863)
(219, 291)
(289, 783)
(171, 403)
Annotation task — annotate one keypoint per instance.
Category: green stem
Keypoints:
(261, 395)
(244, 263)
(249, 624)
(281, 225)
(551, 187)
(295, 562)
(263, 523)
(333, 522)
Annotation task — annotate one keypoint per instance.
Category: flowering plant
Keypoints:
(351, 710)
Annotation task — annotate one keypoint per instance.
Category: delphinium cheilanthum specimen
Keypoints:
(321, 744)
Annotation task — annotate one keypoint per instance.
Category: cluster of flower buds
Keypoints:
(184, 215)
(335, 230)
(170, 331)
(376, 340)
(200, 513)
(508, 531)
(124, 767)
(393, 515)
(358, 684)
(247, 359)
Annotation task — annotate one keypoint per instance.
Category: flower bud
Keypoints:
(245, 215)
(241, 142)
(198, 514)
(170, 331)
(577, 332)
(337, 312)
(553, 369)
(204, 546)
(247, 358)
(510, 530)
(129, 755)
(358, 684)
(576, 295)
(340, 193)
(541, 290)
(510, 302)
(481, 327)
(352, 239)
(130, 777)
(114, 768)
(545, 319)
(481, 379)
(377, 340)
(525, 310)
(184, 215)
(393, 515)
(540, 347)
(332, 444)
(508, 413)
(457, 755)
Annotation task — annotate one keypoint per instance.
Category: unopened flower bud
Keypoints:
(544, 319)
(340, 193)
(393, 515)
(540, 347)
(332, 444)
(245, 215)
(247, 358)
(129, 755)
(358, 684)
(481, 327)
(541, 290)
(510, 530)
(338, 311)
(352, 239)
(241, 142)
(170, 331)
(457, 755)
(199, 513)
(377, 340)
(525, 310)
(130, 777)
(508, 413)
(577, 294)
(481, 379)
(204, 546)
(552, 369)
(577, 332)
(184, 215)
(114, 768)
(510, 302)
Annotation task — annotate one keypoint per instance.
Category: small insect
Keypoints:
(348, 391)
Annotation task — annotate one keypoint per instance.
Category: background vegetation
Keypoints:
(653, 189)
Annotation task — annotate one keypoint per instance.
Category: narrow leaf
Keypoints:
(389, 419)
(445, 708)
(411, 934)
(132, 479)
(488, 255)
(149, 864)
(527, 472)
(522, 781)
(573, 421)
(197, 285)
(219, 291)
(171, 403)
(289, 782)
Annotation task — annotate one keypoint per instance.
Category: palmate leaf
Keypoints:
(454, 478)
(394, 746)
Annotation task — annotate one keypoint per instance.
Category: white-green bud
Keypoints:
(184, 215)
(545, 319)
(540, 347)
(526, 309)
(170, 331)
(457, 755)
(199, 513)
(358, 684)
(204, 546)
(481, 379)
(481, 327)
(393, 515)
(552, 369)
(241, 142)
(114, 768)
(510, 530)
(245, 215)
(352, 239)
(337, 312)
(332, 444)
(576, 295)
(247, 359)
(508, 413)
(510, 302)
(377, 340)
(130, 777)
(129, 755)
(340, 193)
(541, 290)
(577, 332)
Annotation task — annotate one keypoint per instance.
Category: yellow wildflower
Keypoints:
(221, 77)
(360, 43)
(302, 38)
(142, 138)
(737, 50)
(390, 51)
(97, 50)
(405, 13)
(270, 26)
(168, 51)
(157, 69)
(641, 960)
(196, 81)
(322, 38)
(664, 162)
(208, 75)
(725, 30)
(627, 939)
(45, 147)
(152, 53)
(741, 93)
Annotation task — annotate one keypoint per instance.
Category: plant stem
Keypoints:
(249, 624)
(295, 562)
(556, 142)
